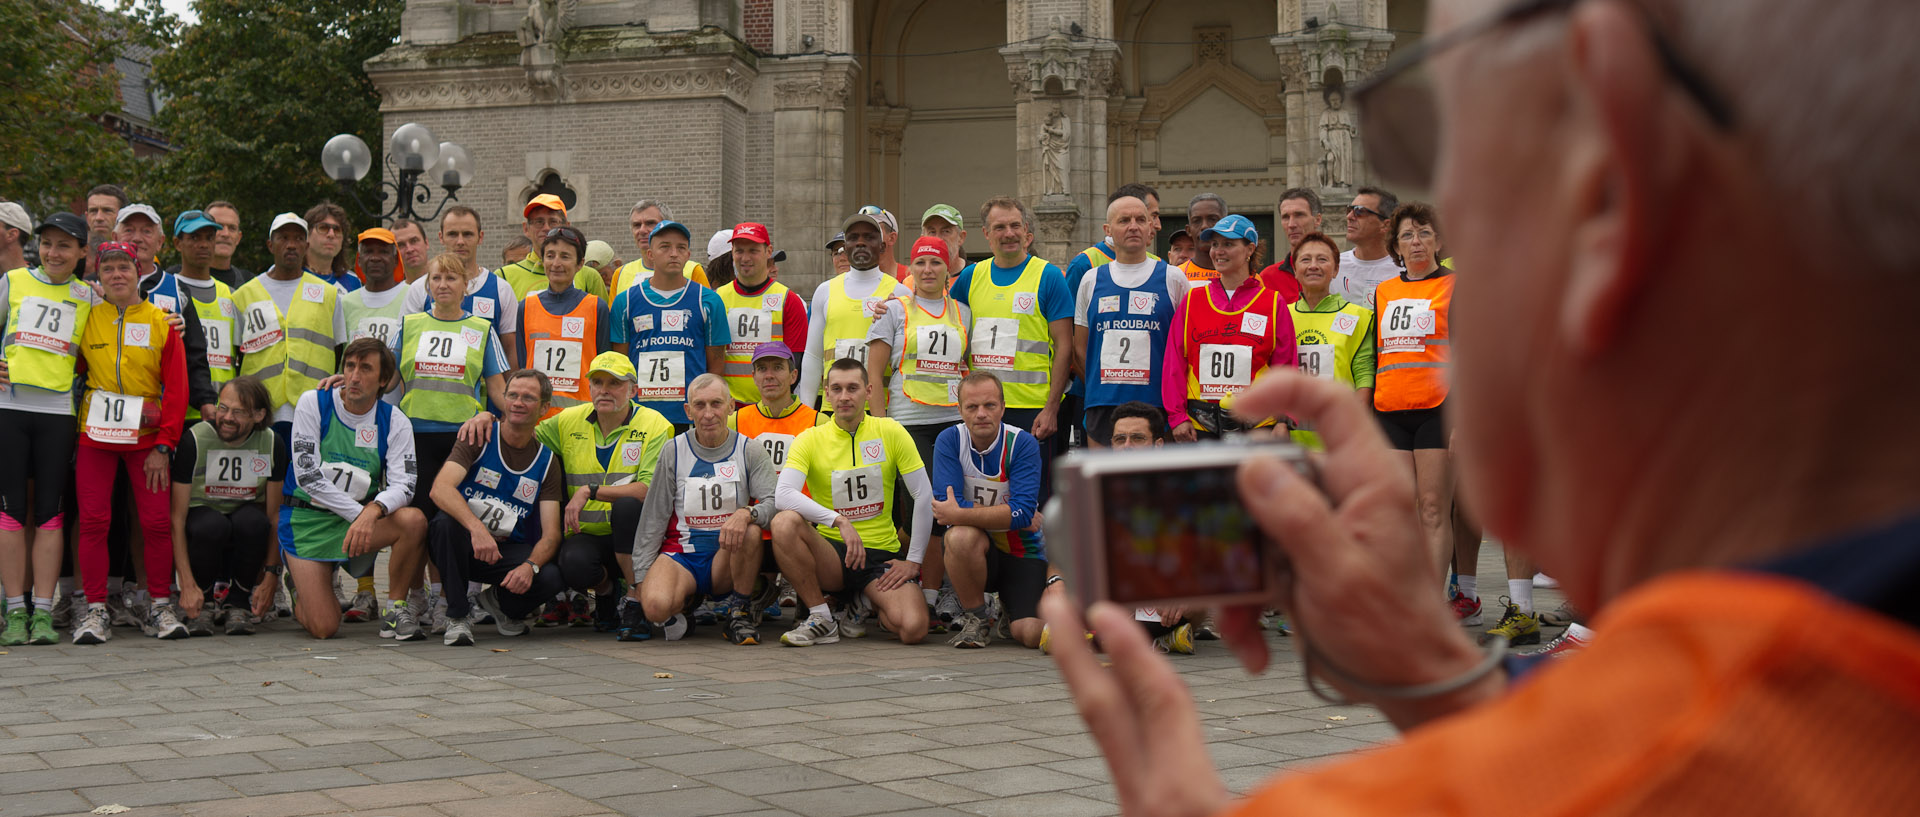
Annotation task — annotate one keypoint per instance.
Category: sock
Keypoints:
(366, 585)
(162, 600)
(16, 603)
(474, 588)
(1469, 586)
(1580, 631)
(819, 610)
(96, 605)
(933, 596)
(434, 589)
(1522, 592)
(392, 603)
(980, 611)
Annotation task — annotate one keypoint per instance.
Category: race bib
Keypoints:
(1251, 324)
(560, 361)
(114, 418)
(706, 502)
(137, 335)
(483, 307)
(313, 293)
(857, 493)
(854, 348)
(937, 349)
(45, 325)
(1126, 357)
(751, 327)
(440, 355)
(166, 302)
(1317, 359)
(776, 445)
(350, 479)
(1224, 370)
(663, 375)
(385, 330)
(259, 327)
(219, 344)
(235, 474)
(994, 342)
(499, 517)
(1405, 325)
(986, 493)
(1110, 303)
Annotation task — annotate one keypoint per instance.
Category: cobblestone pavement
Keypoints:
(567, 722)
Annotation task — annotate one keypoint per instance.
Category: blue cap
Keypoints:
(1232, 227)
(670, 225)
(192, 221)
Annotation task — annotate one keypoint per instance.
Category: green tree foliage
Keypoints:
(254, 89)
(58, 86)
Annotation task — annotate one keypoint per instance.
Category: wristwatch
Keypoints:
(593, 492)
(165, 450)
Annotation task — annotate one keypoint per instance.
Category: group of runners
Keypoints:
(649, 447)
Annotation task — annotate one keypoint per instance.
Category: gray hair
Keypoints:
(707, 380)
(1212, 197)
(1006, 202)
(666, 213)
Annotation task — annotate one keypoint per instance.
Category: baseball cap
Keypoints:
(283, 220)
(778, 256)
(547, 200)
(377, 234)
(15, 216)
(599, 253)
(751, 231)
(772, 349)
(838, 238)
(863, 217)
(886, 219)
(64, 222)
(132, 210)
(615, 364)
(944, 212)
(110, 247)
(1232, 227)
(929, 245)
(720, 244)
(192, 221)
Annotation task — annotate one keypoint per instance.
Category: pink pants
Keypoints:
(93, 472)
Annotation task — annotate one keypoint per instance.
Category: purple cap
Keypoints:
(772, 349)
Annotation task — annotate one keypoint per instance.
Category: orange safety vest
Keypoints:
(1709, 692)
(775, 433)
(1199, 274)
(561, 346)
(123, 357)
(1412, 336)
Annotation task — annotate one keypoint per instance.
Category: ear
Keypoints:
(1627, 152)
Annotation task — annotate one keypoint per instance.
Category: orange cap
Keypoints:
(378, 234)
(547, 200)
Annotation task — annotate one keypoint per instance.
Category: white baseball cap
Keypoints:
(720, 244)
(283, 220)
(136, 210)
(15, 216)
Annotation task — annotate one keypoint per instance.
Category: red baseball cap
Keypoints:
(929, 245)
(752, 231)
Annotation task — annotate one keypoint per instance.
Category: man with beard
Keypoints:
(227, 477)
(845, 306)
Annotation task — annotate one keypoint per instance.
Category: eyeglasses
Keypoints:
(1363, 211)
(1407, 236)
(1399, 117)
(224, 410)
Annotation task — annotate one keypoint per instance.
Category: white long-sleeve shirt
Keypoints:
(789, 496)
(401, 472)
(814, 362)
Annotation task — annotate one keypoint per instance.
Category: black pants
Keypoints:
(45, 441)
(227, 547)
(430, 449)
(1023, 420)
(587, 559)
(451, 548)
(923, 440)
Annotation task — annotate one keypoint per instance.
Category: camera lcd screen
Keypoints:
(1179, 534)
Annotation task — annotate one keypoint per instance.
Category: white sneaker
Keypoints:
(120, 612)
(946, 607)
(360, 609)
(436, 612)
(1542, 581)
(95, 626)
(163, 623)
(488, 600)
(678, 627)
(459, 633)
(814, 629)
(849, 622)
(282, 603)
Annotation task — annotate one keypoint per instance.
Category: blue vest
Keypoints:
(382, 423)
(656, 335)
(488, 291)
(709, 493)
(507, 501)
(166, 294)
(1117, 320)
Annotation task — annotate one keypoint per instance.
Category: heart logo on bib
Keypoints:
(726, 470)
(573, 327)
(872, 451)
(1424, 323)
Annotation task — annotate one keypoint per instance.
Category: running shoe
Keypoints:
(970, 632)
(15, 633)
(95, 627)
(1516, 627)
(242, 621)
(706, 613)
(582, 611)
(606, 608)
(164, 623)
(202, 625)
(283, 598)
(40, 629)
(1180, 640)
(788, 598)
(1542, 581)
(1561, 616)
(676, 628)
(1277, 621)
(459, 633)
(947, 609)
(399, 624)
(814, 629)
(1204, 630)
(359, 609)
(740, 629)
(851, 618)
(633, 622)
(1572, 641)
(765, 603)
(437, 611)
(1465, 609)
(120, 611)
(489, 600)
(555, 613)
(63, 611)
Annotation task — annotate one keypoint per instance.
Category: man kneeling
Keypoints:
(712, 495)
(986, 486)
(499, 520)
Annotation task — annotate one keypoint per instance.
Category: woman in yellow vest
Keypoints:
(451, 363)
(42, 313)
(1333, 337)
(564, 327)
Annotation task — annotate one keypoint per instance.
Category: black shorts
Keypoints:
(1018, 580)
(1099, 425)
(1415, 429)
(854, 581)
(923, 439)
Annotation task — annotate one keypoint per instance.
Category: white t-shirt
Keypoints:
(507, 307)
(891, 327)
(1130, 276)
(1357, 278)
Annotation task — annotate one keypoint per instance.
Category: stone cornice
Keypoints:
(463, 88)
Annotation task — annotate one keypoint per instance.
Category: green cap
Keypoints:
(615, 364)
(944, 212)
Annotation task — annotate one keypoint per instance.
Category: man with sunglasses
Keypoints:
(1615, 171)
(1368, 263)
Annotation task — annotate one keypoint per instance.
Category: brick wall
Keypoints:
(756, 23)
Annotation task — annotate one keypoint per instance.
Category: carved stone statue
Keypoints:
(1053, 153)
(542, 24)
(539, 34)
(1336, 138)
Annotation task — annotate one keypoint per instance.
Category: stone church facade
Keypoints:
(797, 112)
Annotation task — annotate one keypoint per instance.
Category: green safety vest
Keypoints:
(44, 322)
(226, 477)
(1010, 333)
(575, 436)
(217, 322)
(289, 353)
(441, 363)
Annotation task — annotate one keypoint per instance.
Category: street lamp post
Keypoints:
(412, 153)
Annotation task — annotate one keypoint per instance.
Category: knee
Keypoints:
(787, 526)
(965, 543)
(412, 522)
(1027, 632)
(579, 563)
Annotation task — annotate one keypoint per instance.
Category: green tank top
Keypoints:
(226, 477)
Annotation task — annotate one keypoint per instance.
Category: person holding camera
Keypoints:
(1225, 335)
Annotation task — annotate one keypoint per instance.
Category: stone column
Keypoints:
(1061, 85)
(810, 95)
(1322, 55)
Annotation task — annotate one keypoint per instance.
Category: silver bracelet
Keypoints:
(1309, 657)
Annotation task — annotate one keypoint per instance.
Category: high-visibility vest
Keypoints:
(217, 320)
(1412, 334)
(933, 353)
(752, 320)
(290, 353)
(1199, 274)
(226, 477)
(44, 325)
(589, 458)
(1127, 331)
(526, 276)
(123, 352)
(776, 434)
(561, 346)
(635, 271)
(849, 316)
(380, 323)
(1326, 343)
(1011, 337)
(1228, 350)
(442, 364)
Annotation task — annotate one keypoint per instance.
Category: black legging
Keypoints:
(451, 548)
(431, 450)
(586, 560)
(43, 442)
(227, 547)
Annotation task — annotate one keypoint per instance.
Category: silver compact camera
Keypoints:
(1164, 526)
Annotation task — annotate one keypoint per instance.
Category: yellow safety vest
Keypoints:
(290, 353)
(933, 353)
(575, 436)
(44, 322)
(1327, 343)
(1010, 333)
(850, 316)
(217, 321)
(751, 320)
